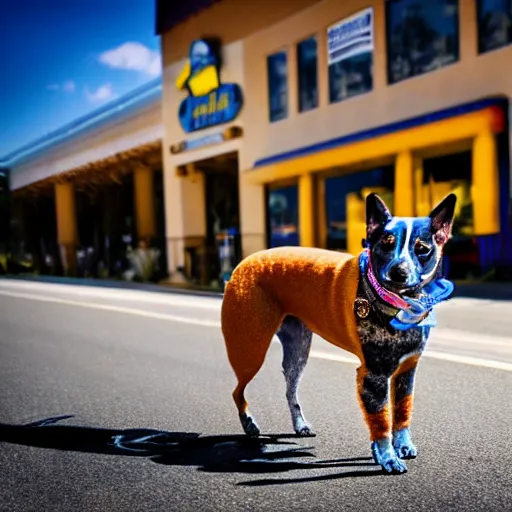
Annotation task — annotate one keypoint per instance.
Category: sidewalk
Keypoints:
(488, 290)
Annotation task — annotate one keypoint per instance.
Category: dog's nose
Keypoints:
(398, 273)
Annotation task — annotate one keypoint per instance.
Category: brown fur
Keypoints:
(402, 409)
(315, 285)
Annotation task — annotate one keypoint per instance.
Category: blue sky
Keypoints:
(61, 59)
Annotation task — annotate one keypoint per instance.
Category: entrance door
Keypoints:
(222, 209)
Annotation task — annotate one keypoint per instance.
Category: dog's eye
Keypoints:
(421, 248)
(388, 242)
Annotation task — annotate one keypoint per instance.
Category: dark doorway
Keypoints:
(222, 213)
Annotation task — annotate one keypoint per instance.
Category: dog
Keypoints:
(377, 305)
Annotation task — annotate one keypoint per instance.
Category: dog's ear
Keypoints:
(441, 219)
(377, 214)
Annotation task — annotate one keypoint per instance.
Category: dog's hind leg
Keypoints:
(248, 324)
(295, 338)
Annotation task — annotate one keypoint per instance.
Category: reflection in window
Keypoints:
(277, 86)
(336, 191)
(307, 67)
(283, 216)
(451, 173)
(422, 35)
(442, 175)
(494, 24)
(350, 56)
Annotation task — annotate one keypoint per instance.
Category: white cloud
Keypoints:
(133, 57)
(68, 86)
(101, 94)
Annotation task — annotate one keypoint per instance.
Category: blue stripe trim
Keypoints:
(122, 107)
(438, 115)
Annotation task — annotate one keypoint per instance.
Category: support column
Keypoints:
(485, 186)
(252, 208)
(144, 199)
(67, 233)
(306, 211)
(404, 185)
(422, 206)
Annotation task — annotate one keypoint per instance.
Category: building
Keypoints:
(85, 193)
(408, 98)
(274, 120)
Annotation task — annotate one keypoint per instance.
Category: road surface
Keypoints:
(119, 400)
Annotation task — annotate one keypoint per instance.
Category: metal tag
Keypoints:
(361, 307)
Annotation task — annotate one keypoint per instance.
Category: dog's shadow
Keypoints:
(219, 454)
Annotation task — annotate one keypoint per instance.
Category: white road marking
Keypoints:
(454, 358)
(117, 309)
(180, 300)
(450, 333)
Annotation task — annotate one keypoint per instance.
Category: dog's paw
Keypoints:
(305, 431)
(403, 445)
(303, 428)
(249, 425)
(384, 455)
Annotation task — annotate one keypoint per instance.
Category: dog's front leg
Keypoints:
(373, 390)
(402, 385)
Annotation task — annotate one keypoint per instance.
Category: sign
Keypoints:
(209, 102)
(350, 37)
(208, 140)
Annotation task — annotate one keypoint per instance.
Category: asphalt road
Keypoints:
(125, 365)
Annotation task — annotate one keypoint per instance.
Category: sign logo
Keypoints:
(209, 102)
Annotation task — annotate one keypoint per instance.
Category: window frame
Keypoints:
(282, 50)
(479, 50)
(297, 44)
(387, 35)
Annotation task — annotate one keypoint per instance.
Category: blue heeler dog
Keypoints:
(377, 305)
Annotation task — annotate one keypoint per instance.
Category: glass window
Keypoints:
(442, 175)
(338, 188)
(350, 56)
(283, 216)
(307, 67)
(422, 35)
(277, 71)
(494, 24)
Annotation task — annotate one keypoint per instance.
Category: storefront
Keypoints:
(405, 98)
(316, 194)
(355, 102)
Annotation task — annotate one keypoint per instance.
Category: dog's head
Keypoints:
(405, 252)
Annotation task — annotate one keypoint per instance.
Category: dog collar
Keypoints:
(410, 312)
(387, 296)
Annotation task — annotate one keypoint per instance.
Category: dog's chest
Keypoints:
(384, 348)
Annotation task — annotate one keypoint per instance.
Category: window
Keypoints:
(350, 56)
(277, 71)
(422, 35)
(442, 175)
(307, 67)
(494, 24)
(283, 216)
(338, 188)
